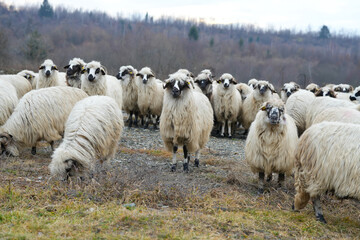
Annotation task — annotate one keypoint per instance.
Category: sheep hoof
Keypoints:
(321, 218)
(173, 167)
(197, 162)
(130, 124)
(155, 128)
(186, 167)
(33, 150)
(229, 136)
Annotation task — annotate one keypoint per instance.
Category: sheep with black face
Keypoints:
(186, 119)
(49, 75)
(226, 102)
(325, 92)
(344, 88)
(288, 89)
(271, 142)
(355, 96)
(204, 81)
(73, 72)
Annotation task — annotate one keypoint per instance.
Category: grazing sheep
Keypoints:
(21, 84)
(344, 88)
(297, 105)
(186, 119)
(40, 115)
(325, 92)
(244, 90)
(263, 92)
(312, 87)
(92, 133)
(127, 75)
(95, 81)
(288, 89)
(49, 75)
(8, 100)
(327, 159)
(204, 81)
(320, 104)
(226, 102)
(339, 114)
(271, 142)
(30, 76)
(73, 72)
(252, 83)
(355, 96)
(150, 95)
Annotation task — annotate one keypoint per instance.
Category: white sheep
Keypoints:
(226, 102)
(186, 119)
(20, 83)
(92, 133)
(127, 75)
(271, 142)
(244, 90)
(73, 72)
(252, 83)
(320, 104)
(150, 95)
(95, 81)
(204, 81)
(288, 89)
(343, 88)
(325, 92)
(49, 75)
(297, 105)
(30, 76)
(263, 92)
(327, 159)
(8, 100)
(312, 87)
(40, 115)
(339, 114)
(355, 96)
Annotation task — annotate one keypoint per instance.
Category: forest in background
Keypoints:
(29, 35)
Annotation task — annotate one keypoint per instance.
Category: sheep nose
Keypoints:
(352, 98)
(288, 94)
(47, 73)
(226, 85)
(262, 90)
(91, 78)
(175, 92)
(144, 80)
(118, 76)
(203, 84)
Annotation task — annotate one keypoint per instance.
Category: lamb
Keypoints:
(40, 115)
(49, 75)
(226, 102)
(252, 83)
(92, 133)
(127, 75)
(320, 104)
(271, 143)
(204, 81)
(325, 91)
(288, 89)
(150, 95)
(21, 85)
(327, 159)
(343, 88)
(186, 119)
(73, 72)
(297, 105)
(8, 99)
(95, 81)
(244, 90)
(312, 87)
(339, 114)
(30, 76)
(263, 92)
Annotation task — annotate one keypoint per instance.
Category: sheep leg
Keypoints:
(261, 182)
(197, 156)
(154, 122)
(186, 159)
(281, 179)
(318, 210)
(130, 119)
(52, 145)
(136, 120)
(229, 128)
(173, 165)
(146, 121)
(222, 129)
(33, 150)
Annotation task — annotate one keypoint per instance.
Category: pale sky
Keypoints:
(342, 16)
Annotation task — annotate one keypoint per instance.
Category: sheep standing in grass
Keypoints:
(73, 72)
(288, 89)
(21, 84)
(271, 142)
(226, 102)
(186, 119)
(127, 75)
(8, 100)
(92, 133)
(49, 75)
(95, 81)
(204, 81)
(263, 92)
(327, 159)
(40, 115)
(150, 95)
(297, 105)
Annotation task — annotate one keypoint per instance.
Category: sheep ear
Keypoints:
(83, 71)
(189, 83)
(167, 83)
(196, 80)
(319, 93)
(55, 67)
(332, 94)
(192, 75)
(138, 75)
(263, 107)
(351, 88)
(272, 88)
(41, 67)
(233, 81)
(218, 81)
(297, 86)
(67, 66)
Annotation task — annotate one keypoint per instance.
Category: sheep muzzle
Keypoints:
(288, 94)
(47, 73)
(274, 116)
(91, 77)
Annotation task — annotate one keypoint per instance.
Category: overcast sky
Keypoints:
(342, 16)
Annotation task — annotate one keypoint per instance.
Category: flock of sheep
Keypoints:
(310, 132)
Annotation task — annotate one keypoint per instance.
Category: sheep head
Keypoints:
(65, 168)
(126, 71)
(177, 83)
(8, 144)
(325, 91)
(252, 83)
(146, 74)
(204, 79)
(93, 71)
(264, 88)
(226, 79)
(47, 68)
(345, 88)
(75, 66)
(312, 87)
(290, 88)
(275, 111)
(356, 95)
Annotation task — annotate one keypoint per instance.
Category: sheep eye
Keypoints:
(88, 70)
(97, 70)
(53, 68)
